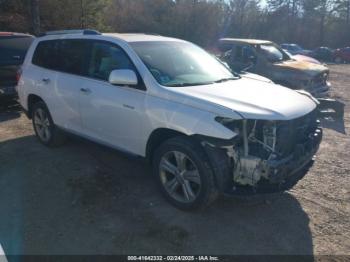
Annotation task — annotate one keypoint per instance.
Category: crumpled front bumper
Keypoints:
(285, 173)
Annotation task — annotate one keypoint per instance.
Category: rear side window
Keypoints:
(14, 49)
(46, 54)
(62, 55)
(72, 54)
(105, 58)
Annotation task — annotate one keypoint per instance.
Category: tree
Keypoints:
(14, 16)
(310, 23)
(34, 7)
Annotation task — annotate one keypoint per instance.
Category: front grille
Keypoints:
(293, 132)
(288, 135)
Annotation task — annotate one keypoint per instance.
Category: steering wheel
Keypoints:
(157, 74)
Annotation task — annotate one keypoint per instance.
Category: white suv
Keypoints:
(205, 129)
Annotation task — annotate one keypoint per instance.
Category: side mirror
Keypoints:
(123, 77)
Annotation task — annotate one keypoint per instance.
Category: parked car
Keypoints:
(303, 58)
(295, 49)
(323, 53)
(204, 129)
(342, 55)
(13, 47)
(268, 59)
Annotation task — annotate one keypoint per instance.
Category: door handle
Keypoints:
(46, 80)
(85, 90)
(128, 106)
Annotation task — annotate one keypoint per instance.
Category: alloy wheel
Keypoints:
(180, 176)
(42, 125)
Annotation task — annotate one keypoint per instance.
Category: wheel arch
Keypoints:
(213, 148)
(31, 101)
(157, 137)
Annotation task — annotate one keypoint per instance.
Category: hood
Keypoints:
(303, 58)
(310, 69)
(249, 75)
(251, 99)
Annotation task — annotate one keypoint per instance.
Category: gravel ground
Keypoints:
(83, 198)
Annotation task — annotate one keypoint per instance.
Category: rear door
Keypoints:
(61, 66)
(72, 59)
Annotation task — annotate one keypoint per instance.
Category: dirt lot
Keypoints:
(86, 199)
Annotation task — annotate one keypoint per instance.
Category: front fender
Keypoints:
(182, 118)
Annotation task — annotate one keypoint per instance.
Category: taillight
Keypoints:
(18, 75)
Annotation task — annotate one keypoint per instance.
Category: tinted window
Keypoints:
(14, 49)
(105, 58)
(46, 54)
(71, 56)
(62, 55)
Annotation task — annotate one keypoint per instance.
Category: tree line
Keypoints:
(310, 23)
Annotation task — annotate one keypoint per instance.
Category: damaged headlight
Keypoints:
(232, 124)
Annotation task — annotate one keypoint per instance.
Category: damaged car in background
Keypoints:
(269, 60)
(206, 130)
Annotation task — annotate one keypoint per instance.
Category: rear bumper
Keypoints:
(8, 91)
(285, 173)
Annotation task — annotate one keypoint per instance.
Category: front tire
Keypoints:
(184, 174)
(45, 129)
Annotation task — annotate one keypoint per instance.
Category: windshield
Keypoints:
(273, 54)
(181, 64)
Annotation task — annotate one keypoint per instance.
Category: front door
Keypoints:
(111, 114)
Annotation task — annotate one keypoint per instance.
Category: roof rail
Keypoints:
(78, 31)
(144, 33)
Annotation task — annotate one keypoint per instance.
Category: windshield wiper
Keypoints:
(226, 79)
(190, 84)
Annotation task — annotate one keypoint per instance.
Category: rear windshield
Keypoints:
(14, 49)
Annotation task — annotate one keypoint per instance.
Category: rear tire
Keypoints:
(184, 174)
(45, 129)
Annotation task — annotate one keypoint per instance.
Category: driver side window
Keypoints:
(243, 54)
(105, 58)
